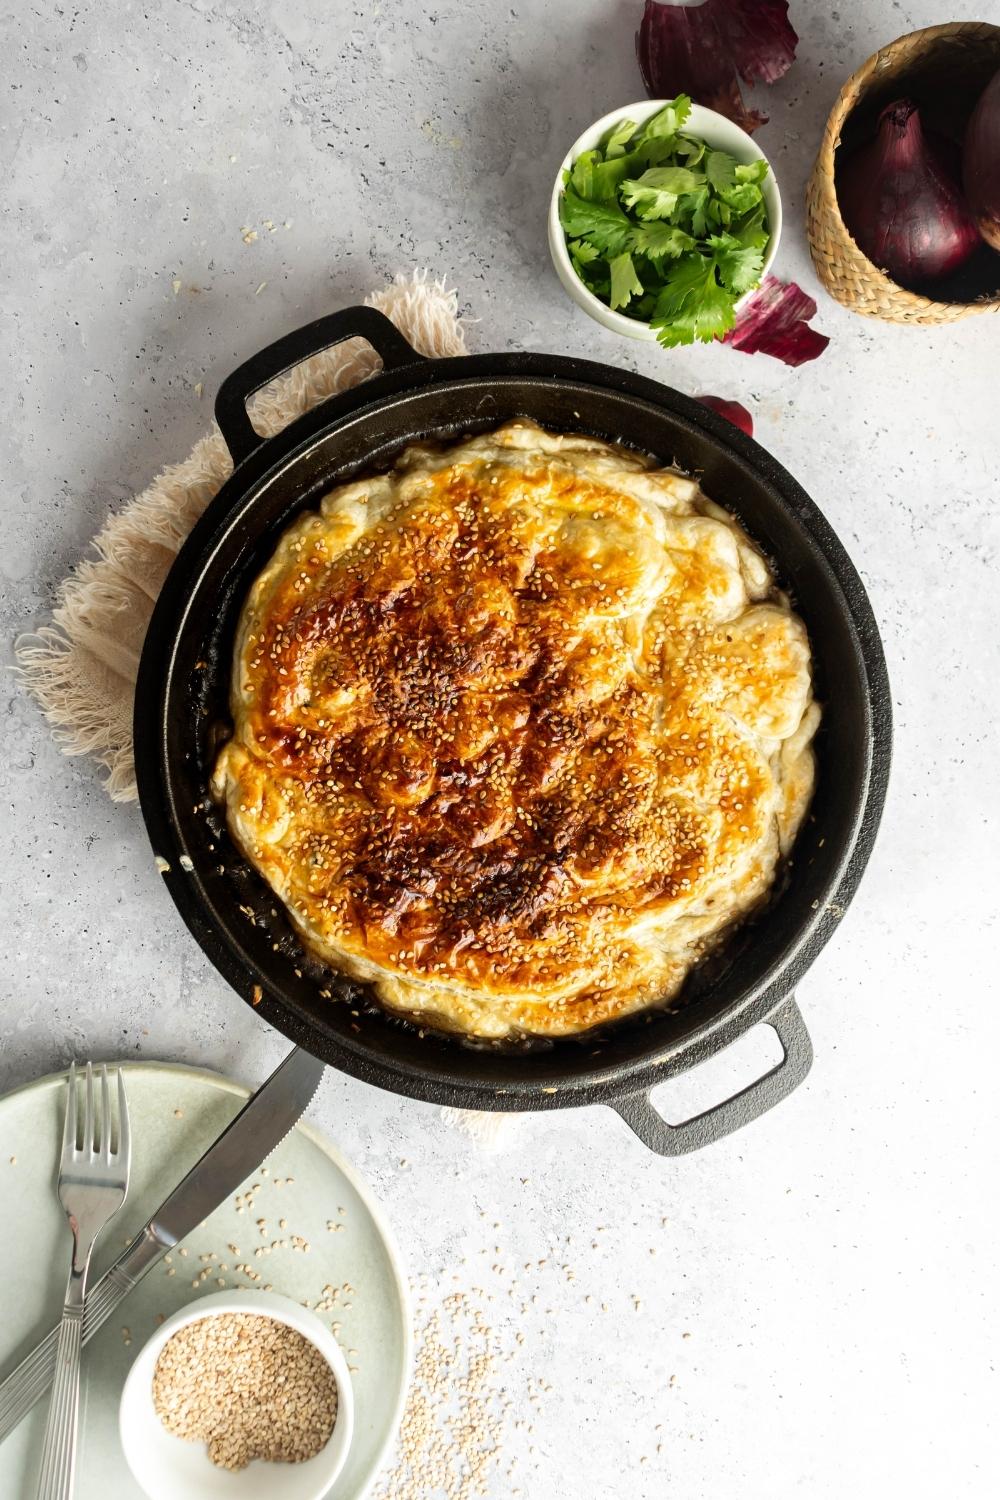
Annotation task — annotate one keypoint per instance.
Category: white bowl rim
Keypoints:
(138, 1387)
(700, 120)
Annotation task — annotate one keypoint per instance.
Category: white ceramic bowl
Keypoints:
(707, 125)
(167, 1467)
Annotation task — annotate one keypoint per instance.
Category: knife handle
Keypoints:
(33, 1375)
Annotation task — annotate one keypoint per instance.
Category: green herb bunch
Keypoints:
(664, 229)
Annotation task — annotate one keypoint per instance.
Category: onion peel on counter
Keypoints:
(733, 411)
(776, 321)
(704, 50)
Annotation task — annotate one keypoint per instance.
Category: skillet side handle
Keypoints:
(702, 1130)
(258, 371)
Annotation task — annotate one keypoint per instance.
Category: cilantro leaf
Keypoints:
(607, 175)
(617, 138)
(692, 151)
(718, 213)
(720, 169)
(654, 195)
(582, 174)
(739, 265)
(692, 305)
(742, 197)
(751, 228)
(603, 224)
(584, 252)
(625, 284)
(658, 240)
(598, 180)
(668, 121)
(751, 171)
(693, 212)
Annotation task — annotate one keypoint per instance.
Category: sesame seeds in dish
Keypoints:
(521, 729)
(248, 1387)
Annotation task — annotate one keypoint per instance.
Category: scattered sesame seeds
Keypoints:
(450, 1441)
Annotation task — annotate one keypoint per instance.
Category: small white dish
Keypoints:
(707, 125)
(166, 1467)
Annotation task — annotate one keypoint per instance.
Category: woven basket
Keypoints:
(945, 68)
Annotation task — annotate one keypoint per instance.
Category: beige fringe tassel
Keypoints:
(82, 667)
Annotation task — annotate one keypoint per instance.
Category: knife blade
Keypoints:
(260, 1126)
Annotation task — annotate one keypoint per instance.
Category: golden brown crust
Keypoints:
(519, 728)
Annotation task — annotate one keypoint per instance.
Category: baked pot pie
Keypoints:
(521, 729)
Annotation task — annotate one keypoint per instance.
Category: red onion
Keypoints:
(903, 204)
(705, 49)
(733, 411)
(981, 163)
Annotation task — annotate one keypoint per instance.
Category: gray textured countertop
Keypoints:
(811, 1307)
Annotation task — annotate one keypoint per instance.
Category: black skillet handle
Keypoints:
(676, 1140)
(237, 388)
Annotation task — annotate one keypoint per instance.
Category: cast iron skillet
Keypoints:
(181, 716)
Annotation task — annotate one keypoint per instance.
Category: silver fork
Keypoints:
(93, 1181)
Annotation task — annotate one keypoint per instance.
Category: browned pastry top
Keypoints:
(519, 728)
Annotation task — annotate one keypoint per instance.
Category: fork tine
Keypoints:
(124, 1138)
(104, 1121)
(70, 1121)
(88, 1114)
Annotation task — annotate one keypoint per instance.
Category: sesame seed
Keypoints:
(248, 1387)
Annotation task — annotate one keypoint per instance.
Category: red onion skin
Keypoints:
(775, 321)
(902, 203)
(733, 411)
(981, 163)
(704, 50)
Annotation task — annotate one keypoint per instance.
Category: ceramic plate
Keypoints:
(175, 1114)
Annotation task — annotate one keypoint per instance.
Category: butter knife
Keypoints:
(260, 1126)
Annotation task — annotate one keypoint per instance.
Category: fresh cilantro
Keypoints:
(741, 198)
(625, 284)
(751, 228)
(694, 211)
(665, 229)
(582, 252)
(608, 175)
(720, 169)
(617, 138)
(752, 171)
(657, 240)
(654, 195)
(604, 225)
(691, 150)
(597, 180)
(739, 266)
(668, 121)
(692, 305)
(582, 173)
